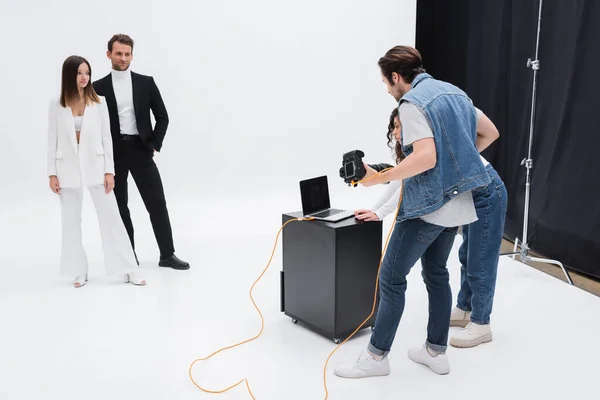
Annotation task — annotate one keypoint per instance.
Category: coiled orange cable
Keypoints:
(263, 320)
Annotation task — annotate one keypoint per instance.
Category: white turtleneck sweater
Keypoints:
(124, 95)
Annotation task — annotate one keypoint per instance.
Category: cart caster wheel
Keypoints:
(295, 321)
(337, 340)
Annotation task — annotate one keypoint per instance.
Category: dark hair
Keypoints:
(69, 92)
(390, 136)
(404, 60)
(121, 38)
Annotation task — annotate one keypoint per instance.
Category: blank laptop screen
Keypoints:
(315, 195)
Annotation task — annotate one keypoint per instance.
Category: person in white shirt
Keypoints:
(480, 250)
(80, 154)
(388, 202)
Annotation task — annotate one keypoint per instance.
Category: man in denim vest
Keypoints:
(441, 169)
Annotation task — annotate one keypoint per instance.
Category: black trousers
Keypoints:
(132, 156)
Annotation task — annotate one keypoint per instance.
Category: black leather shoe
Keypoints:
(173, 262)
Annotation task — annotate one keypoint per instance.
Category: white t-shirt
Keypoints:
(458, 211)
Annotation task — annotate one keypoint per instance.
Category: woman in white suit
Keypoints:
(80, 155)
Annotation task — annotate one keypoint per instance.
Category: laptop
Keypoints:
(315, 201)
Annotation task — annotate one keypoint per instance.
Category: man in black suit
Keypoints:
(130, 98)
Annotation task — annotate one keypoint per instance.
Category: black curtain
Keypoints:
(483, 47)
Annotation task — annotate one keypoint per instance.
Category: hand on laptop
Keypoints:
(366, 215)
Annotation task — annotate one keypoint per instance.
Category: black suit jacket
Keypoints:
(146, 98)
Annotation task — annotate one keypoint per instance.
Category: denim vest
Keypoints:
(458, 169)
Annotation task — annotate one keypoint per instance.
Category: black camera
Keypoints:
(353, 169)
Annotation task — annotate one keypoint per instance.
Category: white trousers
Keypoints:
(118, 252)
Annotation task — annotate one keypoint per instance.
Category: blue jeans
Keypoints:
(413, 239)
(480, 250)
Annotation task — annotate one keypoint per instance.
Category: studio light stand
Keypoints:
(523, 254)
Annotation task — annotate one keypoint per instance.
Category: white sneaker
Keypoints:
(363, 366)
(459, 317)
(438, 364)
(472, 336)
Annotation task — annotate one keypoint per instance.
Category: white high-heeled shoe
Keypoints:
(80, 281)
(133, 278)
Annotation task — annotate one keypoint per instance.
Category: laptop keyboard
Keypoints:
(327, 213)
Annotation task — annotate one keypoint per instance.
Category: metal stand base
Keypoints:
(524, 257)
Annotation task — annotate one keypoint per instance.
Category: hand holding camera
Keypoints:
(369, 172)
(353, 169)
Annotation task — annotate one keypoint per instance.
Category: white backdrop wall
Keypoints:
(260, 93)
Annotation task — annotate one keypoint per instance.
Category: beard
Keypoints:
(118, 67)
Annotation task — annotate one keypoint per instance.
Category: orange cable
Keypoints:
(374, 301)
(263, 320)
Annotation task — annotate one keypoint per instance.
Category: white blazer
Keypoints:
(87, 165)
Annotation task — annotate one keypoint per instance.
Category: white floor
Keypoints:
(112, 340)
